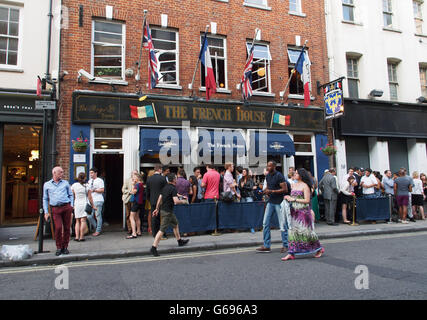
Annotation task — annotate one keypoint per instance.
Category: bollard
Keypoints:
(354, 212)
(216, 233)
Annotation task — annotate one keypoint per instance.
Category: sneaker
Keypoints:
(58, 252)
(65, 251)
(263, 249)
(154, 252)
(405, 222)
(183, 242)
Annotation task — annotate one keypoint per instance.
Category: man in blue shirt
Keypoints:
(57, 194)
(276, 190)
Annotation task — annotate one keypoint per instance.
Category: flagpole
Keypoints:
(155, 114)
(197, 65)
(253, 43)
(138, 77)
(294, 70)
(272, 117)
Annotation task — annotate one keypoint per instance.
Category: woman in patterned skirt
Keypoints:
(302, 238)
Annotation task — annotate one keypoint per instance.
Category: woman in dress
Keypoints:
(194, 189)
(82, 196)
(302, 238)
(417, 196)
(137, 200)
(347, 194)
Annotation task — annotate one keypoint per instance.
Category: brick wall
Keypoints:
(190, 17)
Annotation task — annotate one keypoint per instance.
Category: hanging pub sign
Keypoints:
(334, 99)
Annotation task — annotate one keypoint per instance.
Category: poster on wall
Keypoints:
(334, 99)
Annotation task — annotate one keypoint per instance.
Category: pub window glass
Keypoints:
(218, 52)
(295, 86)
(302, 143)
(108, 138)
(261, 67)
(165, 42)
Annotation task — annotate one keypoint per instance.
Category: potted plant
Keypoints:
(329, 150)
(80, 144)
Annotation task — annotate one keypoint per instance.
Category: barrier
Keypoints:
(373, 208)
(195, 217)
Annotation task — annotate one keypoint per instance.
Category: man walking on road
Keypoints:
(167, 200)
(275, 190)
(329, 187)
(155, 184)
(57, 193)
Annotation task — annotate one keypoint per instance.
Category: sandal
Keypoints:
(288, 257)
(131, 237)
(346, 222)
(319, 253)
(139, 234)
(82, 240)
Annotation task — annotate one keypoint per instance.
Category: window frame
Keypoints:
(159, 52)
(423, 82)
(297, 76)
(224, 41)
(106, 127)
(259, 6)
(122, 45)
(418, 16)
(13, 67)
(353, 74)
(298, 5)
(267, 67)
(388, 12)
(350, 5)
(393, 81)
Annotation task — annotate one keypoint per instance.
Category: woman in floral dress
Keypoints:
(302, 238)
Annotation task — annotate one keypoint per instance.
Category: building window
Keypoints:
(418, 16)
(392, 80)
(9, 36)
(295, 86)
(108, 47)
(353, 77)
(295, 6)
(218, 52)
(166, 45)
(261, 68)
(387, 13)
(302, 143)
(423, 80)
(258, 3)
(348, 10)
(108, 139)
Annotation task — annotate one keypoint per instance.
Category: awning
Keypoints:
(150, 141)
(227, 141)
(277, 144)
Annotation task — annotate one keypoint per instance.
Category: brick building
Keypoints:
(103, 38)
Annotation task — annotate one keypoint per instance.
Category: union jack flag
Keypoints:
(246, 83)
(153, 70)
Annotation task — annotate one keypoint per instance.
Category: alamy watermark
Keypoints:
(62, 282)
(362, 280)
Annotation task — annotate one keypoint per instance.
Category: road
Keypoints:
(396, 269)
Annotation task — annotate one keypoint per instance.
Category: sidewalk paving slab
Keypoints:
(114, 245)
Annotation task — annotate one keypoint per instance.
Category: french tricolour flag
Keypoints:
(205, 58)
(303, 68)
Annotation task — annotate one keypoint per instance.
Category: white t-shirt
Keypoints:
(418, 187)
(98, 183)
(368, 181)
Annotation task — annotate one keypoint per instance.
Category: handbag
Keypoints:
(226, 196)
(88, 207)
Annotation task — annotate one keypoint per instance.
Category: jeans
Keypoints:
(99, 205)
(247, 199)
(410, 214)
(269, 210)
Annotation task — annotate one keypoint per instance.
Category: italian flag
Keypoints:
(141, 112)
(282, 120)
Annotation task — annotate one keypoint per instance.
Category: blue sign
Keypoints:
(334, 102)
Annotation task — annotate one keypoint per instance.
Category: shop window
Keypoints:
(9, 36)
(423, 80)
(348, 10)
(218, 52)
(108, 139)
(302, 143)
(166, 46)
(261, 68)
(353, 77)
(418, 16)
(108, 46)
(295, 86)
(392, 80)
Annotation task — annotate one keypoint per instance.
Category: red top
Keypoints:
(211, 180)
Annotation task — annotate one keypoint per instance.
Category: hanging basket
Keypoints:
(329, 150)
(79, 148)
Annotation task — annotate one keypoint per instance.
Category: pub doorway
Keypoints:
(110, 169)
(20, 174)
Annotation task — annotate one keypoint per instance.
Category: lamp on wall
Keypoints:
(421, 99)
(376, 93)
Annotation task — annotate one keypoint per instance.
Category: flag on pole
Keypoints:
(303, 68)
(141, 112)
(246, 83)
(282, 120)
(39, 87)
(205, 58)
(147, 43)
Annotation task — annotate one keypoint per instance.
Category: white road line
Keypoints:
(195, 254)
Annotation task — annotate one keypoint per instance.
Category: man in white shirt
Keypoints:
(368, 183)
(97, 186)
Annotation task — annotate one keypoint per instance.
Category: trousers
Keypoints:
(330, 208)
(62, 220)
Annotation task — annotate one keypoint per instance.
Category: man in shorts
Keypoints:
(402, 188)
(167, 200)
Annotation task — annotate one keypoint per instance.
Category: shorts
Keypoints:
(417, 200)
(137, 206)
(167, 219)
(402, 201)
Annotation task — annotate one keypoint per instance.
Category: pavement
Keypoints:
(113, 244)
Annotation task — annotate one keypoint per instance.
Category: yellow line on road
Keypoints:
(193, 254)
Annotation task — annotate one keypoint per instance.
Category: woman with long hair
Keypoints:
(82, 196)
(302, 238)
(417, 196)
(246, 187)
(194, 189)
(137, 205)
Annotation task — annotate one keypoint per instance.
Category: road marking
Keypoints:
(196, 254)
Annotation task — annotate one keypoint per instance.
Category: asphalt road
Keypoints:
(396, 269)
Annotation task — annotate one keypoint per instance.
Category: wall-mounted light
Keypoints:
(421, 99)
(376, 93)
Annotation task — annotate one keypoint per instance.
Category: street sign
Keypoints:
(45, 105)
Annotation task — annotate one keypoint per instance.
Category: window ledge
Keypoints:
(392, 29)
(255, 6)
(299, 97)
(112, 81)
(263, 94)
(352, 22)
(299, 14)
(221, 0)
(218, 90)
(11, 69)
(168, 86)
(421, 35)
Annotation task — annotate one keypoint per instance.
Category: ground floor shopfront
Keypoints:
(121, 141)
(21, 132)
(382, 136)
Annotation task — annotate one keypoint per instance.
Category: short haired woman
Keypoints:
(417, 196)
(347, 194)
(82, 196)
